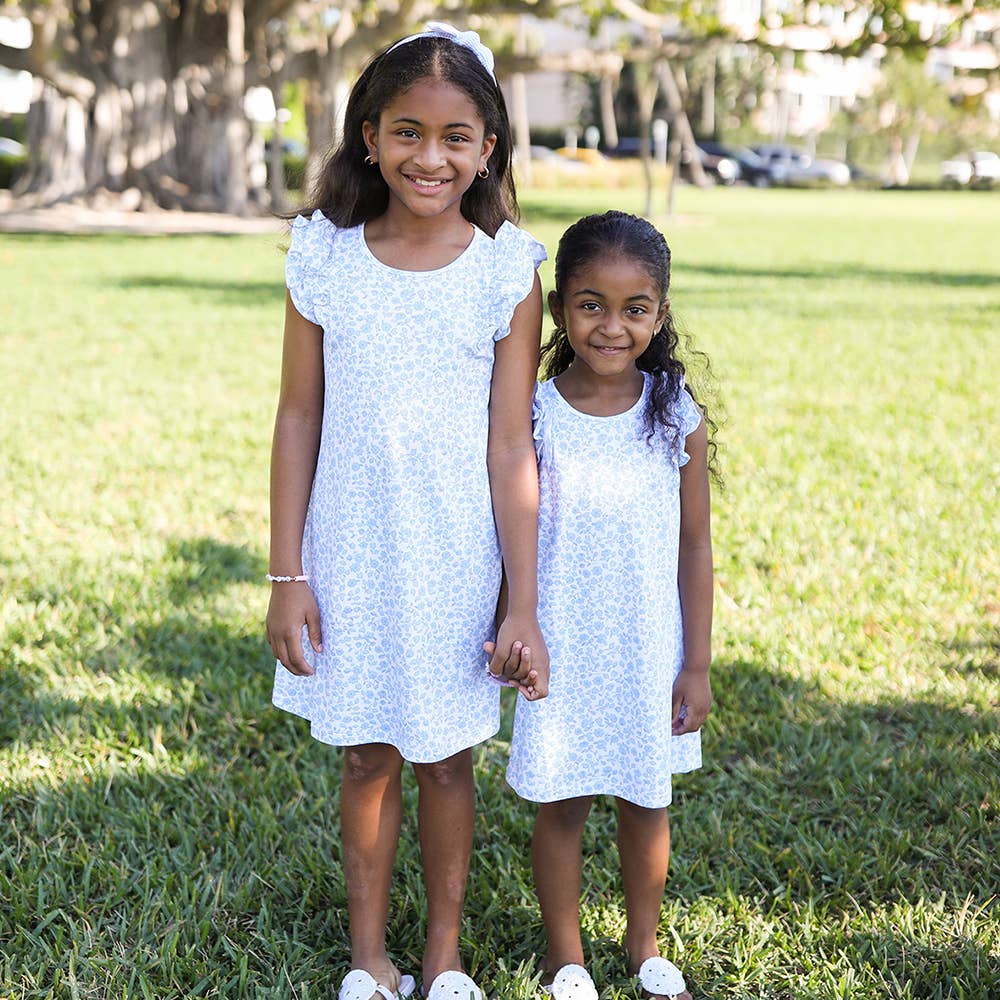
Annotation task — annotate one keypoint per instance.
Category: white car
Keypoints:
(978, 167)
(797, 168)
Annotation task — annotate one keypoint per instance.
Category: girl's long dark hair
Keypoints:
(620, 234)
(349, 192)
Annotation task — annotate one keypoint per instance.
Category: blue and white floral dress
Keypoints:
(400, 542)
(609, 608)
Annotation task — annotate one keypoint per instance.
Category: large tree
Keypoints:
(143, 95)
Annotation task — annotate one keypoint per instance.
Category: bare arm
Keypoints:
(692, 688)
(294, 449)
(514, 484)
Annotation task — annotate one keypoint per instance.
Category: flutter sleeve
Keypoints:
(539, 424)
(688, 416)
(517, 255)
(312, 240)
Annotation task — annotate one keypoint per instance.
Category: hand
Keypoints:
(528, 661)
(518, 662)
(293, 605)
(692, 701)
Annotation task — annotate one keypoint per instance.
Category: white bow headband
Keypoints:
(467, 39)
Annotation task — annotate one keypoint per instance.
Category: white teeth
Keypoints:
(427, 184)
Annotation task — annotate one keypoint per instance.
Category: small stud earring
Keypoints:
(483, 173)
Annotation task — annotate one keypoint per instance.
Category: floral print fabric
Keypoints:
(609, 609)
(399, 541)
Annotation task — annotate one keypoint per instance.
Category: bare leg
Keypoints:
(446, 812)
(644, 847)
(371, 808)
(558, 864)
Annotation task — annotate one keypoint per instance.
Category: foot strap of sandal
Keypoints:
(361, 985)
(661, 978)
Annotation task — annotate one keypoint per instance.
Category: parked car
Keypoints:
(11, 148)
(721, 169)
(753, 168)
(978, 168)
(797, 168)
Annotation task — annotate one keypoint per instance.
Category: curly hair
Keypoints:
(620, 234)
(349, 193)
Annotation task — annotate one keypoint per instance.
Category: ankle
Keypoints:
(555, 959)
(365, 957)
(638, 950)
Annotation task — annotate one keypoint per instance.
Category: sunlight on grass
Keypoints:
(170, 835)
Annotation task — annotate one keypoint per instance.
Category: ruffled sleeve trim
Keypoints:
(538, 426)
(688, 418)
(516, 255)
(312, 241)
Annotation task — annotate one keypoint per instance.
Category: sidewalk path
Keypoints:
(77, 219)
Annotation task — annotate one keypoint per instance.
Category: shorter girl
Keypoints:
(625, 588)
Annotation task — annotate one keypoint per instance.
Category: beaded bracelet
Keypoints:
(286, 579)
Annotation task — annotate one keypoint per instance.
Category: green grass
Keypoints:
(167, 834)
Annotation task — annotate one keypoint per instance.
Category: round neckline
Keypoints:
(610, 416)
(367, 251)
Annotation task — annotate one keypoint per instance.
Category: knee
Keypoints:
(371, 762)
(569, 814)
(445, 773)
(629, 812)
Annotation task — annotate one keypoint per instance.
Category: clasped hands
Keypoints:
(525, 664)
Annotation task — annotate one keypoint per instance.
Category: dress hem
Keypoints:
(541, 798)
(421, 757)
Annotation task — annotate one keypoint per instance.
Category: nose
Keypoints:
(429, 155)
(613, 326)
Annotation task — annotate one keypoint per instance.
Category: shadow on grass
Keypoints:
(202, 824)
(247, 294)
(206, 565)
(846, 273)
(806, 804)
(976, 656)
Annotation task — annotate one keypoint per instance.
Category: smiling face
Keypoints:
(610, 308)
(429, 143)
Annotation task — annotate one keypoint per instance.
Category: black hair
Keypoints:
(621, 234)
(350, 192)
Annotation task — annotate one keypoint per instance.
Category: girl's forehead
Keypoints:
(612, 270)
(434, 97)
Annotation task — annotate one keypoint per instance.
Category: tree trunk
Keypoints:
(144, 96)
(680, 127)
(519, 102)
(609, 124)
(646, 86)
(237, 137)
(708, 99)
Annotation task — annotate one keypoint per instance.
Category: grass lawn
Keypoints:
(167, 834)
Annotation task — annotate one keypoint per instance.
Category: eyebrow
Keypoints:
(600, 295)
(417, 121)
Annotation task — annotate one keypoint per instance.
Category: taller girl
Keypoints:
(402, 466)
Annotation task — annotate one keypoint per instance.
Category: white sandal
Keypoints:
(661, 978)
(453, 985)
(361, 985)
(572, 982)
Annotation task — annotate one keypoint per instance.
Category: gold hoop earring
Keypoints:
(370, 160)
(483, 173)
